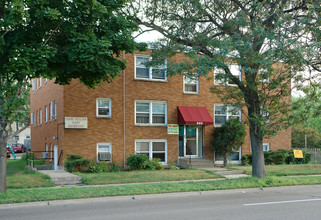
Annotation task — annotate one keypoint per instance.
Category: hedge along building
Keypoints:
(171, 118)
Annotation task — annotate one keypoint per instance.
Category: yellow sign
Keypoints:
(298, 153)
(76, 122)
(172, 129)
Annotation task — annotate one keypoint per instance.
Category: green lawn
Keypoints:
(47, 194)
(19, 178)
(285, 170)
(145, 176)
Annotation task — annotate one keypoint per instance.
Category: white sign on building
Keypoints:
(76, 122)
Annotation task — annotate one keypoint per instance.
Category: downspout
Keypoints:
(124, 118)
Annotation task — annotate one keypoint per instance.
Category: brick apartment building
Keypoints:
(133, 114)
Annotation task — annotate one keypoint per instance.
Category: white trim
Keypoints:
(150, 102)
(267, 146)
(110, 108)
(40, 116)
(191, 92)
(46, 112)
(227, 113)
(40, 82)
(33, 82)
(150, 150)
(150, 69)
(239, 161)
(110, 150)
(220, 71)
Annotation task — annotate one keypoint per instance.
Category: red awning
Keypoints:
(193, 115)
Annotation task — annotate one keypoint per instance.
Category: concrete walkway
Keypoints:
(61, 177)
(228, 174)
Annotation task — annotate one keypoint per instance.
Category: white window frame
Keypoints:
(110, 108)
(53, 110)
(150, 69)
(40, 116)
(265, 114)
(40, 82)
(46, 80)
(110, 150)
(226, 82)
(261, 78)
(150, 152)
(46, 112)
(267, 148)
(33, 83)
(150, 102)
(37, 84)
(32, 116)
(185, 79)
(227, 113)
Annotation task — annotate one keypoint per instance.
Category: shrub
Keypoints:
(155, 165)
(102, 167)
(281, 156)
(137, 161)
(76, 163)
(141, 162)
(173, 167)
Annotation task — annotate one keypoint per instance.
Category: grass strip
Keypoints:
(46, 194)
(145, 176)
(284, 170)
(19, 178)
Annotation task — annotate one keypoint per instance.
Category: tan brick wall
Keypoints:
(80, 101)
(42, 134)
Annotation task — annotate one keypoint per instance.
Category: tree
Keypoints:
(228, 138)
(57, 39)
(306, 109)
(298, 137)
(269, 40)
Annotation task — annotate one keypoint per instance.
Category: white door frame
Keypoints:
(56, 157)
(185, 140)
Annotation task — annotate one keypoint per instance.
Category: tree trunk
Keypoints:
(3, 160)
(258, 169)
(225, 159)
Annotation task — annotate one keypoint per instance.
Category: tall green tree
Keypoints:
(58, 39)
(228, 138)
(272, 40)
(306, 109)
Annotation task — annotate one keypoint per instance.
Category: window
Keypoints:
(33, 85)
(235, 70)
(103, 107)
(149, 73)
(37, 87)
(36, 118)
(151, 112)
(104, 149)
(40, 116)
(266, 147)
(46, 112)
(265, 114)
(152, 149)
(40, 82)
(264, 75)
(16, 137)
(191, 85)
(53, 110)
(32, 118)
(46, 80)
(223, 113)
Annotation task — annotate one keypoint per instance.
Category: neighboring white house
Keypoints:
(23, 137)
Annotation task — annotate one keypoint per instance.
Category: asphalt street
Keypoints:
(298, 202)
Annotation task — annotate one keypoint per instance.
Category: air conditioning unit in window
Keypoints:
(104, 156)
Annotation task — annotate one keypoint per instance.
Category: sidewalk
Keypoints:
(228, 174)
(62, 177)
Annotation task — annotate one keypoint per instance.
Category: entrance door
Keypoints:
(55, 157)
(190, 141)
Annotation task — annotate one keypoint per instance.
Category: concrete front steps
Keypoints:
(61, 177)
(187, 163)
